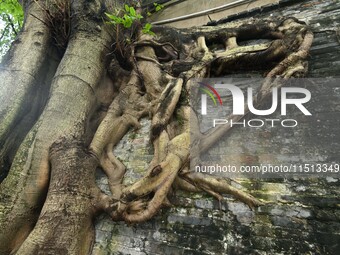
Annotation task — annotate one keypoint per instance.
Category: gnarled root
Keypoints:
(163, 90)
(219, 186)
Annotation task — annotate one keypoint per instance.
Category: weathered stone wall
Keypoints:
(304, 217)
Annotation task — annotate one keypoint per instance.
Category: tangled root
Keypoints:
(161, 75)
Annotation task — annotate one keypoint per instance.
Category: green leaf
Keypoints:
(148, 26)
(127, 21)
(127, 8)
(158, 7)
(127, 17)
(146, 29)
(132, 11)
(110, 16)
(149, 32)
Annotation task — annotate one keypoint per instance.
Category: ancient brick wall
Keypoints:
(304, 216)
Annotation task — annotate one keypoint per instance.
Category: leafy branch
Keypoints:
(158, 6)
(127, 17)
(11, 20)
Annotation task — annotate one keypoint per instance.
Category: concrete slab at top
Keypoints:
(188, 7)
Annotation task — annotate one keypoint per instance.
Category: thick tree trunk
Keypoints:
(72, 101)
(25, 76)
(65, 224)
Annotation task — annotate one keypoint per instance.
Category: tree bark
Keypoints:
(65, 224)
(26, 73)
(72, 101)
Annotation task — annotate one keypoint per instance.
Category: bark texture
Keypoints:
(101, 88)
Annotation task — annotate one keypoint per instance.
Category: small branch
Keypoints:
(39, 20)
(3, 32)
(12, 24)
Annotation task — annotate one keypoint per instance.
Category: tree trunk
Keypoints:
(66, 217)
(25, 74)
(72, 101)
(73, 86)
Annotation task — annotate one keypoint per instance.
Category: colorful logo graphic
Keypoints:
(239, 100)
(206, 88)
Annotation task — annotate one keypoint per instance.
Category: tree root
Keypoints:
(143, 199)
(114, 170)
(220, 186)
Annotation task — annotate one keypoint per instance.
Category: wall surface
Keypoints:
(304, 216)
(189, 7)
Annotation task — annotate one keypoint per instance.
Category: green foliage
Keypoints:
(11, 20)
(127, 17)
(158, 7)
(147, 29)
